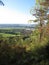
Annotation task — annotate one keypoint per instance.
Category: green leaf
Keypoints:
(30, 21)
(36, 20)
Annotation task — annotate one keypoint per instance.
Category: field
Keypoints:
(22, 47)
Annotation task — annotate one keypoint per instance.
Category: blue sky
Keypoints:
(16, 11)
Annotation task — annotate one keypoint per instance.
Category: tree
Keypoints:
(46, 5)
(40, 12)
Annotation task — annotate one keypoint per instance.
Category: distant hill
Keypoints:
(17, 25)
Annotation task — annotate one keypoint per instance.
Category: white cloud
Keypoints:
(8, 16)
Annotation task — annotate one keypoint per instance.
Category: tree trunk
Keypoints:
(41, 29)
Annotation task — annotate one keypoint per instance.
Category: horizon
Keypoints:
(17, 24)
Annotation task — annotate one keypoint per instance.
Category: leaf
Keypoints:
(37, 1)
(1, 3)
(30, 21)
(36, 20)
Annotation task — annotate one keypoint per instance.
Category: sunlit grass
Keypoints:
(6, 35)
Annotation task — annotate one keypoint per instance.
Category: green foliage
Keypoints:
(24, 49)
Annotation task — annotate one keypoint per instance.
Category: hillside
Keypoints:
(22, 47)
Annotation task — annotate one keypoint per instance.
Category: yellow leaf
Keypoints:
(36, 1)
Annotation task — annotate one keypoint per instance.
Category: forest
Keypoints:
(27, 47)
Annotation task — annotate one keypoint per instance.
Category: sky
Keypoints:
(16, 11)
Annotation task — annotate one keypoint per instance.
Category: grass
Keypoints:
(6, 35)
